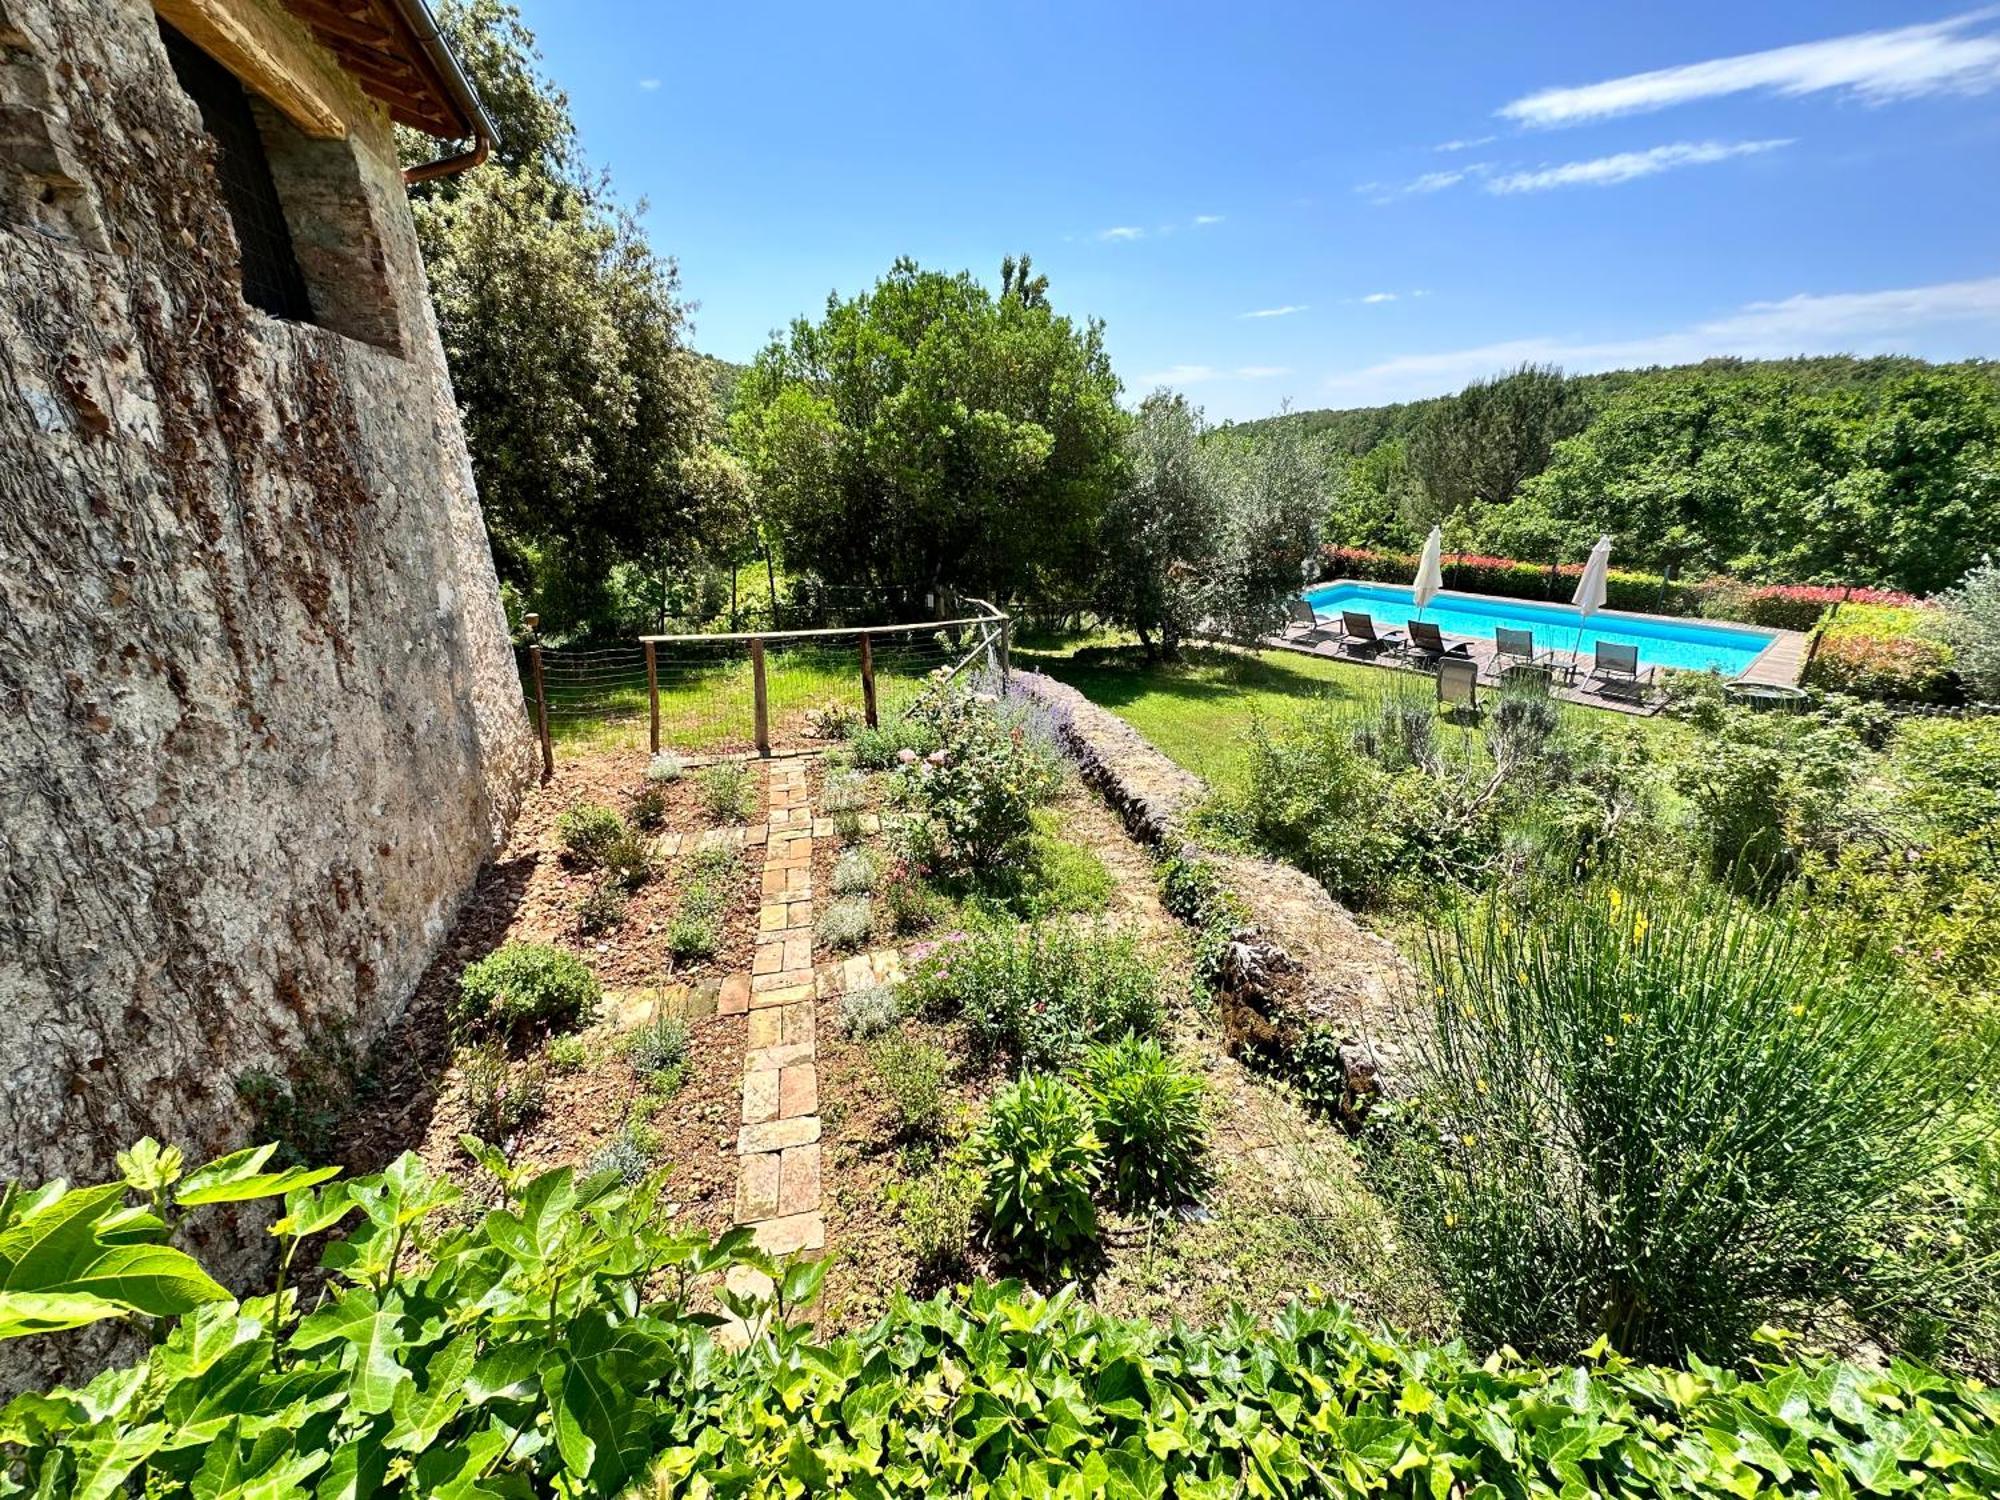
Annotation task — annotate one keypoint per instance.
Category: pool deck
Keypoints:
(1778, 663)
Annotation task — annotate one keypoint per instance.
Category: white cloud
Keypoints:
(1276, 312)
(649, 84)
(1875, 66)
(1880, 322)
(1466, 145)
(1122, 232)
(1603, 171)
(1201, 374)
(1429, 182)
(1374, 297)
(1201, 220)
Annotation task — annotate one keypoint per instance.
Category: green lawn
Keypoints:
(1198, 712)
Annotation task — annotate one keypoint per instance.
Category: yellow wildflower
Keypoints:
(1617, 898)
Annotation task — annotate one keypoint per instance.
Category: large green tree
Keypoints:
(930, 432)
(592, 427)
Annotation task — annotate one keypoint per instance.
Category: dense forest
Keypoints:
(1834, 469)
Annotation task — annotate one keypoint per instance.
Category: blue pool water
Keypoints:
(1698, 645)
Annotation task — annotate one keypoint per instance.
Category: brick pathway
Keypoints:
(777, 1146)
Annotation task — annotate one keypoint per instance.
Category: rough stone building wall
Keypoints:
(259, 724)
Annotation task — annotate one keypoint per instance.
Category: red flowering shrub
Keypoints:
(1883, 651)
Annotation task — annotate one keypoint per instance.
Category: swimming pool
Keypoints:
(1697, 645)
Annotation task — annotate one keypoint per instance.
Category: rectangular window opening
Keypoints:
(272, 280)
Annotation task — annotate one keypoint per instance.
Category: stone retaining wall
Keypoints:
(1331, 972)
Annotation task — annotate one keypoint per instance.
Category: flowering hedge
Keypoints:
(1783, 606)
(1884, 651)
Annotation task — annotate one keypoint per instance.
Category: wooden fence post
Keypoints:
(542, 714)
(868, 679)
(653, 691)
(1006, 656)
(758, 696)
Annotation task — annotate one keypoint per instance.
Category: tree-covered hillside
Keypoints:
(1835, 469)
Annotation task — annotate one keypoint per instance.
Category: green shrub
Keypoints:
(854, 873)
(692, 936)
(847, 923)
(913, 1073)
(832, 720)
(1663, 1120)
(660, 1044)
(1041, 1163)
(1038, 993)
(525, 984)
(1969, 622)
(847, 826)
(410, 1351)
(1150, 1115)
(725, 791)
(868, 1011)
(587, 832)
(936, 1212)
(909, 903)
(845, 791)
(566, 1053)
(625, 1156)
(876, 749)
(1894, 653)
(648, 808)
(602, 908)
(712, 862)
(972, 799)
(703, 898)
(499, 1098)
(628, 860)
(1766, 789)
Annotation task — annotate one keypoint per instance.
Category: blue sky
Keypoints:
(1330, 205)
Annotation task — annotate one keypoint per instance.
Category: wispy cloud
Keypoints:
(1179, 375)
(1876, 66)
(1122, 232)
(1204, 374)
(1466, 145)
(1877, 322)
(1416, 187)
(649, 84)
(1626, 166)
(1277, 312)
(1374, 297)
(1202, 220)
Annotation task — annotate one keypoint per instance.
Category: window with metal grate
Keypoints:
(271, 276)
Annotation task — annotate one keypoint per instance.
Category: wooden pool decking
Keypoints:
(1778, 664)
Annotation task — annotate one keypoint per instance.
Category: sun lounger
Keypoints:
(1428, 645)
(1300, 619)
(1359, 636)
(1514, 654)
(1617, 669)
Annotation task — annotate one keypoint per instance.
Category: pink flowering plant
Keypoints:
(970, 802)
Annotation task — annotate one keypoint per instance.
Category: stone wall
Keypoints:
(1301, 960)
(259, 723)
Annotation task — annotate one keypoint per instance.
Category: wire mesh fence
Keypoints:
(713, 695)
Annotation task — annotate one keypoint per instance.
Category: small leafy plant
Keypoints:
(845, 791)
(725, 791)
(855, 873)
(665, 768)
(566, 1053)
(648, 808)
(847, 826)
(660, 1044)
(869, 1011)
(1150, 1115)
(587, 832)
(913, 1073)
(936, 1212)
(1042, 1164)
(847, 923)
(693, 936)
(499, 1097)
(525, 985)
(601, 909)
(832, 720)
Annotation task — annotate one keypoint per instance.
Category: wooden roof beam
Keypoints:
(267, 54)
